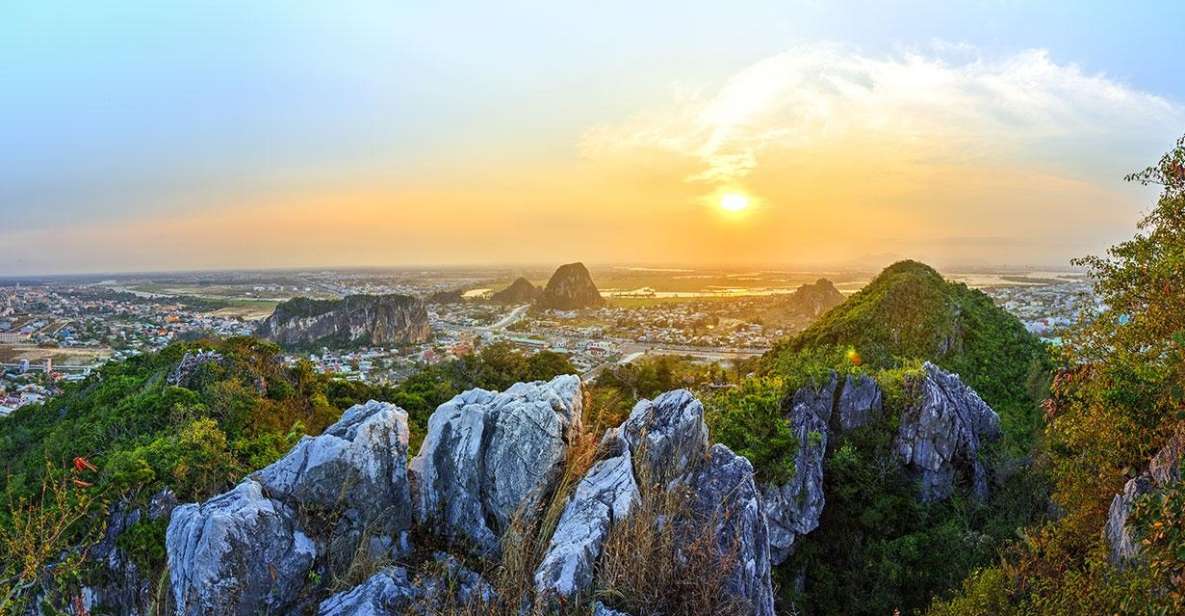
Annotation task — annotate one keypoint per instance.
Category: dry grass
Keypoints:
(663, 559)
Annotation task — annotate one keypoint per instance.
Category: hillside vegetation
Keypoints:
(137, 426)
(910, 312)
(1119, 399)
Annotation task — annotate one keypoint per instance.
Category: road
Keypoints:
(509, 319)
(633, 351)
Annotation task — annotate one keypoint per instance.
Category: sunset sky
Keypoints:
(140, 136)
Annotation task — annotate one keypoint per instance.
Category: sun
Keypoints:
(733, 202)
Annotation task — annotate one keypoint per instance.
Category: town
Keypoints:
(56, 332)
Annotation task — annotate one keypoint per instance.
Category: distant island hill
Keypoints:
(571, 287)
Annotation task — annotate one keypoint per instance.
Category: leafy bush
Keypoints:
(750, 420)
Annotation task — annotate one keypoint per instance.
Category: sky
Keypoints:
(140, 136)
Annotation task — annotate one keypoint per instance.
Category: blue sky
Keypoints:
(122, 111)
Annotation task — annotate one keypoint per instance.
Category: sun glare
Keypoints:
(733, 202)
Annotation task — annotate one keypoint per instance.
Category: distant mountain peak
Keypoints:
(571, 287)
(521, 291)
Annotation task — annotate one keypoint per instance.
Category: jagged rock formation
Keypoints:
(725, 496)
(394, 591)
(941, 434)
(570, 288)
(793, 509)
(368, 320)
(604, 496)
(252, 549)
(124, 588)
(238, 553)
(668, 442)
(521, 291)
(487, 458)
(939, 437)
(667, 435)
(488, 454)
(1164, 469)
(860, 403)
(189, 364)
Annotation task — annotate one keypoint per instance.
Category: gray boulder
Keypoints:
(393, 591)
(599, 609)
(387, 592)
(1164, 469)
(357, 468)
(124, 588)
(603, 496)
(942, 432)
(793, 509)
(239, 553)
(666, 435)
(725, 497)
(487, 456)
(860, 402)
(251, 550)
(1124, 546)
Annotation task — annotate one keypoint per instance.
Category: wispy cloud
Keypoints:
(948, 104)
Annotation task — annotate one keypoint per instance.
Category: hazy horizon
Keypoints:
(198, 137)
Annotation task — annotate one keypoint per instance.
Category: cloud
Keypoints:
(945, 105)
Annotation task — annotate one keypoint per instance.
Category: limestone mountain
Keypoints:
(370, 320)
(807, 303)
(909, 311)
(571, 287)
(521, 291)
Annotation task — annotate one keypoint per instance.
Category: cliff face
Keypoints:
(570, 288)
(941, 434)
(376, 320)
(521, 291)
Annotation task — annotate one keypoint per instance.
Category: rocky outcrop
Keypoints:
(724, 499)
(124, 588)
(1123, 544)
(189, 364)
(603, 496)
(1164, 469)
(252, 549)
(389, 591)
(368, 320)
(667, 435)
(521, 291)
(487, 456)
(942, 432)
(667, 440)
(393, 591)
(938, 440)
(599, 609)
(356, 468)
(570, 288)
(860, 403)
(793, 509)
(239, 553)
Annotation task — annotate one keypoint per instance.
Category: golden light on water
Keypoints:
(733, 202)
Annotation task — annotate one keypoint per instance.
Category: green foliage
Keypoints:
(1116, 403)
(908, 313)
(144, 543)
(749, 419)
(227, 419)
